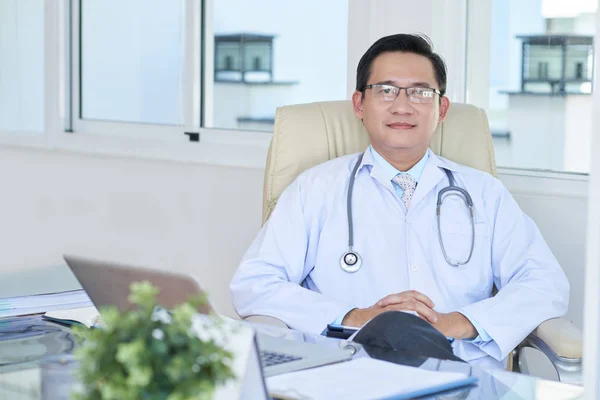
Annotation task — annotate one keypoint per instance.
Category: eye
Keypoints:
(385, 90)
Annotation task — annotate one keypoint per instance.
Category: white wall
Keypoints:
(184, 217)
(578, 133)
(591, 335)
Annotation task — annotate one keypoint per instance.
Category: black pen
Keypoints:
(340, 331)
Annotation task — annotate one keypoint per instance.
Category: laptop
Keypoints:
(107, 284)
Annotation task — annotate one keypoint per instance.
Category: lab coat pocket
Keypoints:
(457, 240)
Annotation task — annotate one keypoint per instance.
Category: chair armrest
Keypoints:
(264, 319)
(562, 337)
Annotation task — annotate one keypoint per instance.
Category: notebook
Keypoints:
(364, 378)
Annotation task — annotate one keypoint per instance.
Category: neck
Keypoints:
(402, 160)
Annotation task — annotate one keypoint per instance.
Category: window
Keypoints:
(156, 68)
(539, 99)
(22, 66)
(128, 65)
(272, 53)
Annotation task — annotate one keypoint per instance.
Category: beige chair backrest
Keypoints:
(306, 135)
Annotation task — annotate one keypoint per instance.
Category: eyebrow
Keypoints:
(393, 83)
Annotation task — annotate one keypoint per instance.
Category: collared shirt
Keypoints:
(388, 171)
(292, 269)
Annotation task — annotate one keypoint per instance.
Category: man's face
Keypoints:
(400, 125)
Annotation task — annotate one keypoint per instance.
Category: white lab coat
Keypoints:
(292, 269)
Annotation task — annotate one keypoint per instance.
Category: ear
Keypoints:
(443, 109)
(357, 102)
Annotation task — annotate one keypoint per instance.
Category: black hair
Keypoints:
(406, 43)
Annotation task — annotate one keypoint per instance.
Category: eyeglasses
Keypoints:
(416, 94)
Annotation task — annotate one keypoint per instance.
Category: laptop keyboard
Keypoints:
(269, 358)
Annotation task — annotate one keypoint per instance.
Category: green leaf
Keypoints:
(143, 294)
(147, 356)
(131, 353)
(139, 376)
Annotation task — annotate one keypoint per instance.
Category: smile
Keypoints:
(401, 125)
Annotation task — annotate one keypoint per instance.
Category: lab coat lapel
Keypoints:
(432, 175)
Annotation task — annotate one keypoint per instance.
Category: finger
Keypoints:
(422, 298)
(395, 298)
(429, 314)
(421, 309)
(398, 298)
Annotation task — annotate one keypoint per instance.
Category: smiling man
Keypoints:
(293, 270)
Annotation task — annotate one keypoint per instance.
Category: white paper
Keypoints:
(23, 305)
(362, 378)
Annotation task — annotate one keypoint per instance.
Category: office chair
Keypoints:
(306, 135)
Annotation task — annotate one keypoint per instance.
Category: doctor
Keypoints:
(302, 270)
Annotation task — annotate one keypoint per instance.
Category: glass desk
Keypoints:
(36, 363)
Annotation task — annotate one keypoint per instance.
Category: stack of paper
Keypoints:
(87, 316)
(364, 378)
(36, 304)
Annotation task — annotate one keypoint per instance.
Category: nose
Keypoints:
(402, 104)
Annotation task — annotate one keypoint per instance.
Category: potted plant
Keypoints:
(151, 353)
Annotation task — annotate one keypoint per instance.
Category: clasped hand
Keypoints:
(452, 324)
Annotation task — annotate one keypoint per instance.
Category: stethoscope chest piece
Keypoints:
(350, 261)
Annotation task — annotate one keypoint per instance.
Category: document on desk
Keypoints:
(36, 304)
(86, 316)
(364, 378)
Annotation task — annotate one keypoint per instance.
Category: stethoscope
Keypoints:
(351, 261)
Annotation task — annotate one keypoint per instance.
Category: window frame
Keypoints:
(224, 147)
(193, 16)
(58, 132)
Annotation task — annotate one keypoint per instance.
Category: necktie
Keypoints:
(408, 184)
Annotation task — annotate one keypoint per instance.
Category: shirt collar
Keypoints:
(429, 158)
(388, 171)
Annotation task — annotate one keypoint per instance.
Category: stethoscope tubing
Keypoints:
(351, 260)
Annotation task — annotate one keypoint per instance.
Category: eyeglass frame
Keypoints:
(434, 90)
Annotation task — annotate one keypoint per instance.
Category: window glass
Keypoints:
(132, 60)
(272, 53)
(22, 66)
(540, 89)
